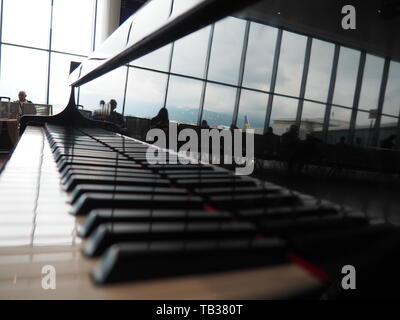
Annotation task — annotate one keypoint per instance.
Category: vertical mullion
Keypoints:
(304, 80)
(357, 92)
(169, 74)
(94, 26)
(170, 61)
(1, 30)
(398, 133)
(332, 84)
(49, 60)
(381, 99)
(273, 79)
(205, 74)
(125, 89)
(241, 72)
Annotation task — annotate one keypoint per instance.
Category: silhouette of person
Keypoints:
(204, 125)
(342, 141)
(389, 142)
(115, 116)
(161, 120)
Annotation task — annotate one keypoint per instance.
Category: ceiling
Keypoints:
(377, 22)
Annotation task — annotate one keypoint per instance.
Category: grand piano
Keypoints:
(81, 199)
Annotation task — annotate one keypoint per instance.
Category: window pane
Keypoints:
(59, 72)
(24, 69)
(226, 50)
(253, 105)
(73, 26)
(158, 60)
(109, 86)
(190, 54)
(27, 22)
(388, 128)
(319, 72)
(385, 120)
(392, 94)
(184, 99)
(312, 118)
(283, 114)
(291, 61)
(339, 124)
(371, 83)
(340, 117)
(218, 105)
(346, 77)
(259, 56)
(364, 129)
(145, 93)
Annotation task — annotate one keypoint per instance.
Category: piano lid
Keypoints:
(156, 24)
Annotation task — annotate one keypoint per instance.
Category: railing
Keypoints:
(11, 110)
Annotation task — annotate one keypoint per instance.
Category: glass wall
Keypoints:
(34, 62)
(198, 74)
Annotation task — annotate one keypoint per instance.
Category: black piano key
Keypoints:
(144, 260)
(291, 227)
(134, 173)
(93, 188)
(110, 180)
(112, 233)
(179, 167)
(287, 212)
(240, 201)
(90, 201)
(103, 216)
(89, 169)
(70, 162)
(228, 190)
(211, 182)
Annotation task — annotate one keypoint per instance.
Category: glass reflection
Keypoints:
(145, 93)
(259, 56)
(319, 72)
(339, 123)
(59, 88)
(291, 61)
(346, 76)
(106, 87)
(190, 54)
(218, 105)
(371, 82)
(226, 50)
(184, 99)
(283, 114)
(312, 119)
(253, 106)
(391, 104)
(157, 60)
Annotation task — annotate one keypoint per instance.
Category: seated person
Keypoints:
(24, 106)
(115, 116)
(161, 120)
